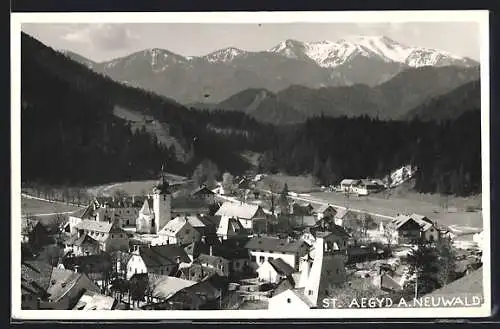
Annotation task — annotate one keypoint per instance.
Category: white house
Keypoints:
(163, 260)
(347, 185)
(324, 211)
(178, 231)
(91, 234)
(263, 249)
(274, 270)
(413, 227)
(229, 227)
(244, 212)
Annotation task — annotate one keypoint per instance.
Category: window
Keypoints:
(253, 258)
(310, 292)
(288, 300)
(261, 259)
(187, 231)
(338, 271)
(270, 258)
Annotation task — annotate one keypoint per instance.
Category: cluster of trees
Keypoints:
(447, 154)
(432, 264)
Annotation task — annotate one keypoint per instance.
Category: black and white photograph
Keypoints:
(270, 164)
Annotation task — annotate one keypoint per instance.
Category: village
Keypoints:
(189, 247)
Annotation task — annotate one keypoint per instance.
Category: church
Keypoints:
(156, 211)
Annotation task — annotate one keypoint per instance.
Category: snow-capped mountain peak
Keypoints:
(331, 54)
(224, 55)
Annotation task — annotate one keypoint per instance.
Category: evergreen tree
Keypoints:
(423, 263)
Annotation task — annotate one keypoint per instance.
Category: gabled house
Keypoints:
(347, 185)
(163, 287)
(82, 245)
(108, 236)
(92, 301)
(97, 267)
(335, 239)
(411, 228)
(274, 270)
(345, 218)
(230, 228)
(47, 287)
(233, 251)
(325, 211)
(178, 231)
(218, 263)
(262, 249)
(162, 260)
(204, 193)
(244, 212)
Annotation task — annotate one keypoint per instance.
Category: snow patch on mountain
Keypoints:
(225, 55)
(332, 54)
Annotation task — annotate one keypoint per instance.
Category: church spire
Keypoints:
(163, 185)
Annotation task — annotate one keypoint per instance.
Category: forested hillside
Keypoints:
(70, 135)
(448, 154)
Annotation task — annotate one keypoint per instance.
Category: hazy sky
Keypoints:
(101, 42)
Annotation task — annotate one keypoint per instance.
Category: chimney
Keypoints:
(211, 250)
(133, 199)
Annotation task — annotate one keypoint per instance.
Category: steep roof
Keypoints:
(238, 210)
(421, 221)
(324, 208)
(147, 207)
(281, 266)
(343, 212)
(203, 190)
(92, 225)
(85, 240)
(92, 301)
(339, 231)
(349, 181)
(61, 282)
(211, 260)
(165, 287)
(300, 294)
(35, 278)
(99, 263)
(230, 226)
(274, 244)
(155, 256)
(174, 226)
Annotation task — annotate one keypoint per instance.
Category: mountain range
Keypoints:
(393, 99)
(79, 127)
(368, 60)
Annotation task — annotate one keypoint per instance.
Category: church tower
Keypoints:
(162, 200)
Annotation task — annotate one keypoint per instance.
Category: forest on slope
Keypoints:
(70, 136)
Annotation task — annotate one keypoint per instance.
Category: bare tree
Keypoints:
(389, 234)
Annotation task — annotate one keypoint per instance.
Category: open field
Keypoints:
(427, 205)
(131, 188)
(299, 184)
(46, 212)
(39, 207)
